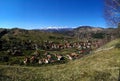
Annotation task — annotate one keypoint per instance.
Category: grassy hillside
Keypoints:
(101, 66)
(25, 40)
(33, 35)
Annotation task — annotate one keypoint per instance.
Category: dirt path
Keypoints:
(103, 49)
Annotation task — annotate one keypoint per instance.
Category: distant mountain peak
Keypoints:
(88, 28)
(57, 30)
(53, 27)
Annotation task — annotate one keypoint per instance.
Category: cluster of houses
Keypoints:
(50, 45)
(47, 58)
(82, 47)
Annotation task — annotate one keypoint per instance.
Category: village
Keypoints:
(52, 52)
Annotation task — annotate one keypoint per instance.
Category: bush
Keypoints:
(98, 35)
(15, 62)
(117, 45)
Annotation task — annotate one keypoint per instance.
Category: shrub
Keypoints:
(117, 45)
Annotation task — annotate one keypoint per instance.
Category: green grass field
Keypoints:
(99, 66)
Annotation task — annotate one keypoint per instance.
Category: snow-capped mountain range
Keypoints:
(56, 29)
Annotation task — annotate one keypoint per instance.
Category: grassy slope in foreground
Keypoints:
(102, 66)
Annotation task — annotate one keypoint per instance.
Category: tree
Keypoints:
(112, 12)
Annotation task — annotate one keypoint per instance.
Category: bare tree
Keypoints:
(112, 12)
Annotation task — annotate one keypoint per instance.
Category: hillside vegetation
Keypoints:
(26, 40)
(101, 66)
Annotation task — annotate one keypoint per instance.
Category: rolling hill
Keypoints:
(99, 66)
(103, 64)
(18, 37)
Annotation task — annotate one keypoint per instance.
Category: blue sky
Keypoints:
(36, 14)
